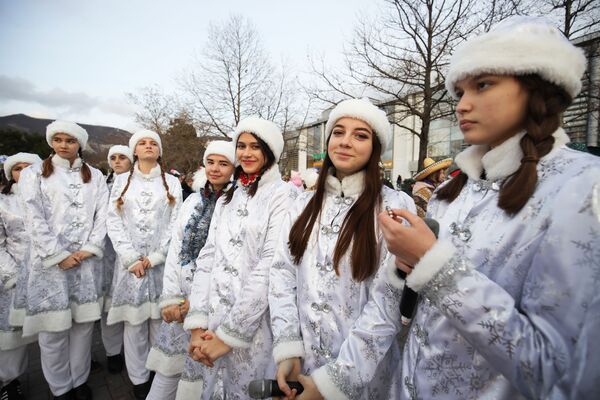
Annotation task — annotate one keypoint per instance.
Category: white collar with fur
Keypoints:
(61, 162)
(501, 161)
(200, 180)
(350, 186)
(154, 172)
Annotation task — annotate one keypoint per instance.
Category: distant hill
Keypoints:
(100, 137)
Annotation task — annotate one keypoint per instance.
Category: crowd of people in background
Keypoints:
(210, 283)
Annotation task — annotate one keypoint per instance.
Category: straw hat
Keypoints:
(430, 166)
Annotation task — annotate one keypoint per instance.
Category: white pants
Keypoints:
(112, 336)
(66, 357)
(137, 341)
(163, 387)
(13, 364)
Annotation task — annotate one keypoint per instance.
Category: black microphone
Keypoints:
(408, 301)
(265, 388)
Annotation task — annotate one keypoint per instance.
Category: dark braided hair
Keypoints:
(120, 201)
(545, 106)
(48, 168)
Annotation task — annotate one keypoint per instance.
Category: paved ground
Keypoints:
(105, 386)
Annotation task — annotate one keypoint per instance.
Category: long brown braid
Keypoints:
(120, 201)
(545, 106)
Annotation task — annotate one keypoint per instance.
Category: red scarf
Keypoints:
(247, 180)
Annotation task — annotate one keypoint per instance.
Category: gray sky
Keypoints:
(76, 59)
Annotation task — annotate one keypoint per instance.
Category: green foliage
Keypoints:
(13, 141)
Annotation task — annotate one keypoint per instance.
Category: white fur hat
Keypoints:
(19, 158)
(310, 177)
(517, 46)
(120, 149)
(222, 148)
(144, 133)
(266, 130)
(365, 111)
(70, 128)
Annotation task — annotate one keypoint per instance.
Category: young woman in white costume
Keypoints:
(228, 315)
(14, 250)
(333, 314)
(65, 206)
(142, 212)
(168, 354)
(120, 160)
(509, 291)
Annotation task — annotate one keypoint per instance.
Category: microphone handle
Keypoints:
(276, 392)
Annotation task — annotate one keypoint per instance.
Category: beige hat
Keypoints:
(430, 166)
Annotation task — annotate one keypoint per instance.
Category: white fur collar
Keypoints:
(350, 186)
(501, 161)
(14, 189)
(154, 172)
(61, 162)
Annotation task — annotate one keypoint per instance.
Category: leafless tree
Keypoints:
(156, 109)
(235, 78)
(400, 58)
(576, 17)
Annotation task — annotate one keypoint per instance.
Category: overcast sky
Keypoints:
(76, 59)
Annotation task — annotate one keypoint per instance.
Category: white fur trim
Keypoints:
(154, 172)
(195, 321)
(129, 259)
(266, 130)
(392, 275)
(188, 390)
(222, 148)
(171, 301)
(132, 314)
(64, 163)
(167, 365)
(16, 316)
(326, 386)
(97, 251)
(88, 312)
(365, 111)
(156, 258)
(11, 161)
(68, 127)
(199, 180)
(350, 186)
(501, 161)
(52, 321)
(55, 259)
(287, 350)
(230, 340)
(518, 46)
(430, 264)
(10, 282)
(144, 133)
(120, 149)
(10, 340)
(310, 177)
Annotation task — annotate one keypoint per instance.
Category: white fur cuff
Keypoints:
(128, 260)
(195, 321)
(165, 364)
(94, 250)
(325, 385)
(156, 258)
(169, 301)
(392, 275)
(231, 341)
(55, 259)
(287, 350)
(430, 264)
